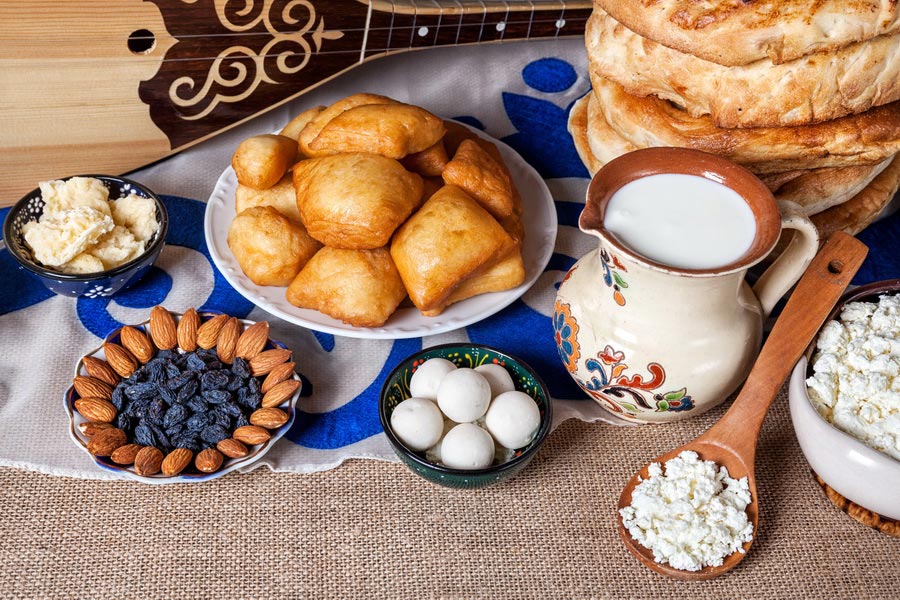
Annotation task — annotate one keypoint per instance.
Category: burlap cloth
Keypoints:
(375, 530)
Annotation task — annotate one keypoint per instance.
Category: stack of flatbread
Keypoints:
(805, 94)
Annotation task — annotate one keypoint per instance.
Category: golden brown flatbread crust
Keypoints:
(739, 32)
(858, 213)
(811, 190)
(484, 178)
(813, 88)
(867, 138)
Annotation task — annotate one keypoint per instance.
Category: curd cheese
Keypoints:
(690, 513)
(856, 373)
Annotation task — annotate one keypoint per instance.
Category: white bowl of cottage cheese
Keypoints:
(845, 399)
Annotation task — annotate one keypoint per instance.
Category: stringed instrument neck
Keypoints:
(111, 85)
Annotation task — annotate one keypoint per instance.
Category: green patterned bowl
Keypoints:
(396, 390)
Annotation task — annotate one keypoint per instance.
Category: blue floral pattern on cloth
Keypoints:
(541, 137)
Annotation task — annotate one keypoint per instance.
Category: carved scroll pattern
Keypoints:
(238, 70)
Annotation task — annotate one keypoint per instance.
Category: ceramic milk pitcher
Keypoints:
(651, 342)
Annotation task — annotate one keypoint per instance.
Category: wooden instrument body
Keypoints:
(111, 85)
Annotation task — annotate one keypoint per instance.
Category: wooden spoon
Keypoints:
(732, 441)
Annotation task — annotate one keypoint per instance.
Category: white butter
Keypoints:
(692, 515)
(856, 373)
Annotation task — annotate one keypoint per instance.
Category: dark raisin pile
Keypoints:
(189, 400)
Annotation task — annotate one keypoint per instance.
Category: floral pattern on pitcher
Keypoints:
(630, 396)
(565, 331)
(611, 277)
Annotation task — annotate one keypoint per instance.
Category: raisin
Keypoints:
(216, 396)
(143, 435)
(176, 382)
(240, 368)
(195, 363)
(214, 434)
(187, 392)
(167, 396)
(198, 421)
(220, 417)
(198, 405)
(176, 415)
(214, 380)
(124, 423)
(231, 409)
(247, 398)
(142, 391)
(118, 397)
(253, 385)
(186, 440)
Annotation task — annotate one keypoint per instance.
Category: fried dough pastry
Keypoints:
(296, 125)
(447, 241)
(484, 178)
(315, 125)
(356, 200)
(392, 130)
(867, 138)
(270, 248)
(359, 287)
(262, 160)
(430, 162)
(505, 274)
(280, 196)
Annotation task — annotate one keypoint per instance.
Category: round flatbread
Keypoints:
(811, 191)
(868, 138)
(858, 213)
(811, 89)
(578, 131)
(739, 32)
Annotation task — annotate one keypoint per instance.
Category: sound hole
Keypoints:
(141, 41)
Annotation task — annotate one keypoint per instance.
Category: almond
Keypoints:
(162, 328)
(264, 362)
(280, 393)
(148, 461)
(120, 359)
(100, 369)
(137, 343)
(106, 441)
(90, 428)
(270, 418)
(88, 387)
(251, 435)
(228, 338)
(125, 455)
(176, 461)
(208, 333)
(209, 460)
(232, 448)
(187, 330)
(253, 340)
(96, 409)
(277, 375)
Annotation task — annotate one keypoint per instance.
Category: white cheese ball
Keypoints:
(513, 418)
(464, 395)
(428, 376)
(498, 377)
(418, 423)
(467, 446)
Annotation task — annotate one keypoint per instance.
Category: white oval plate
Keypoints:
(538, 219)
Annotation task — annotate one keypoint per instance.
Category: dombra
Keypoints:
(651, 341)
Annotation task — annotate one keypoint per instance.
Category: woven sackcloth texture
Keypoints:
(371, 529)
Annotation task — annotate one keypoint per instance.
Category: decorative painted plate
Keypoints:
(538, 219)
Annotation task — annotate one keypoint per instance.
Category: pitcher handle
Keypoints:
(787, 268)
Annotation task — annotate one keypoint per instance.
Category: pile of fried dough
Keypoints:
(805, 94)
(358, 205)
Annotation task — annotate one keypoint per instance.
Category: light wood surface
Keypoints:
(76, 98)
(732, 441)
